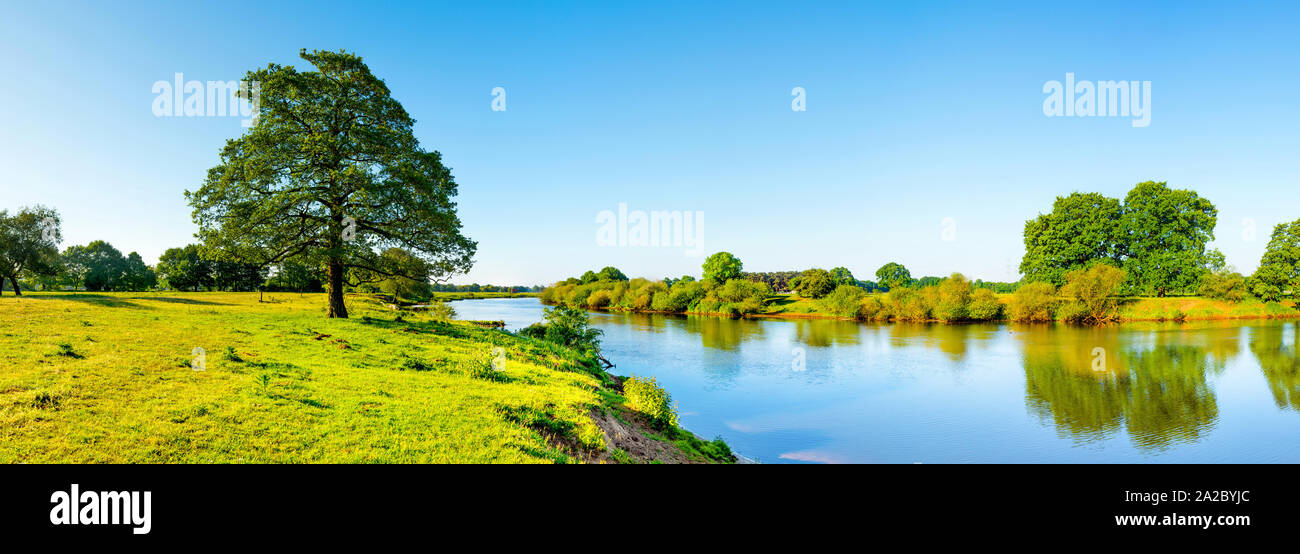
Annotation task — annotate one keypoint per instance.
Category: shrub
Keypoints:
(871, 308)
(845, 301)
(739, 290)
(954, 295)
(598, 299)
(644, 395)
(578, 297)
(985, 306)
(571, 327)
(1095, 289)
(441, 311)
(1032, 302)
(1224, 285)
(909, 304)
(1072, 312)
(534, 331)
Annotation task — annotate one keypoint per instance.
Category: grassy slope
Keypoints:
(107, 378)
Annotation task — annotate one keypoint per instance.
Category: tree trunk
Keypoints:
(336, 306)
(17, 291)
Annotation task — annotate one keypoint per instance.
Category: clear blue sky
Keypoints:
(916, 112)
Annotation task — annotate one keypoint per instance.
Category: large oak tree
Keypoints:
(330, 175)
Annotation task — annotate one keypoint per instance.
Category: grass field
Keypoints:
(112, 378)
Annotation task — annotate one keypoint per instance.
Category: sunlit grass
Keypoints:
(109, 377)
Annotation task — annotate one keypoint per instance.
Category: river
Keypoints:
(826, 391)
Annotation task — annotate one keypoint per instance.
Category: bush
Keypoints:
(1095, 289)
(534, 331)
(1032, 302)
(598, 299)
(1224, 285)
(845, 301)
(954, 295)
(740, 290)
(871, 308)
(571, 327)
(644, 395)
(909, 304)
(985, 306)
(441, 311)
(1072, 312)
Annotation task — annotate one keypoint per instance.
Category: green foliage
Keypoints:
(893, 275)
(722, 267)
(814, 283)
(332, 174)
(779, 281)
(1279, 268)
(844, 301)
(571, 328)
(910, 304)
(954, 299)
(644, 395)
(1224, 285)
(292, 276)
(872, 308)
(29, 244)
(1095, 290)
(1032, 302)
(984, 305)
(740, 290)
(598, 299)
(1165, 232)
(609, 273)
(1081, 229)
(842, 276)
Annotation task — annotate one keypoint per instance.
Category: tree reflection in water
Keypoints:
(1093, 381)
(1275, 349)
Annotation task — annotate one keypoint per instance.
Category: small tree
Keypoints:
(29, 244)
(893, 275)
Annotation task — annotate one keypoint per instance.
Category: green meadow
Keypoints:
(119, 378)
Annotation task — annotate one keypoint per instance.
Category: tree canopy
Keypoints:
(722, 267)
(1082, 228)
(1163, 236)
(29, 244)
(330, 175)
(893, 275)
(1158, 235)
(1279, 268)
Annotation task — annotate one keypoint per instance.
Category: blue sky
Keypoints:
(916, 113)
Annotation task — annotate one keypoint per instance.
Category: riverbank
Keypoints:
(223, 378)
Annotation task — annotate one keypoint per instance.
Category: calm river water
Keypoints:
(833, 392)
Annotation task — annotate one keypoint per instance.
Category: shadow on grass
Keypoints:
(172, 300)
(123, 301)
(96, 299)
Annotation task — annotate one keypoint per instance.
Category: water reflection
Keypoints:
(828, 390)
(1275, 348)
(1148, 380)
